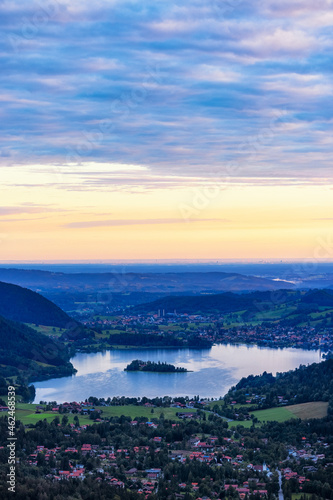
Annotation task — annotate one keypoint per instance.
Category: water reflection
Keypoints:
(214, 371)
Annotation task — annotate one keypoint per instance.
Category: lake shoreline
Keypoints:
(118, 347)
(210, 372)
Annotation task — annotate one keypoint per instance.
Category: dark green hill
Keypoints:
(202, 303)
(25, 351)
(292, 308)
(319, 297)
(217, 303)
(306, 383)
(23, 305)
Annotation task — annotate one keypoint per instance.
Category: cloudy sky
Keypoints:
(149, 129)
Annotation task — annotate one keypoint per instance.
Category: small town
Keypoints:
(211, 330)
(166, 456)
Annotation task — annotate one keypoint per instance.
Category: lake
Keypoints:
(213, 372)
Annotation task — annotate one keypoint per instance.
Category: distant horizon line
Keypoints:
(170, 261)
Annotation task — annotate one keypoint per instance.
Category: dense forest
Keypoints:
(152, 366)
(306, 383)
(29, 353)
(23, 305)
(303, 303)
(24, 391)
(222, 302)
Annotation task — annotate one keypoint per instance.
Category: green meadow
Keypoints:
(316, 409)
(26, 413)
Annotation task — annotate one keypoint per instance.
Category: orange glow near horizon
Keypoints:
(177, 133)
(236, 222)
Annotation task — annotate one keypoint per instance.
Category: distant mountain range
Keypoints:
(26, 306)
(44, 281)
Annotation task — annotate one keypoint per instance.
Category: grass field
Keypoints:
(245, 423)
(218, 402)
(53, 331)
(269, 415)
(26, 413)
(276, 414)
(275, 313)
(317, 409)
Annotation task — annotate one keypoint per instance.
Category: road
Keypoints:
(281, 496)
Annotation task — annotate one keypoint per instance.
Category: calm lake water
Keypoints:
(215, 370)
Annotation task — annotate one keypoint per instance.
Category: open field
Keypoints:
(317, 409)
(26, 413)
(244, 423)
(280, 414)
(30, 417)
(271, 414)
(297, 496)
(53, 331)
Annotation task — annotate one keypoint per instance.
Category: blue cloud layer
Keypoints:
(183, 88)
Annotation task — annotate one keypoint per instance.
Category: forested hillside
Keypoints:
(222, 302)
(26, 306)
(25, 351)
(285, 307)
(306, 383)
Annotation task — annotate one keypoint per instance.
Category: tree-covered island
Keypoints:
(137, 365)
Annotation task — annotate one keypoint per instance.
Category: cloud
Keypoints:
(213, 74)
(280, 42)
(25, 209)
(177, 89)
(25, 219)
(134, 222)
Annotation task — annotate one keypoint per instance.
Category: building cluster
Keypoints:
(249, 475)
(305, 337)
(146, 481)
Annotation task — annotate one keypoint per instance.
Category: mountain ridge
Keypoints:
(26, 306)
(286, 307)
(143, 282)
(34, 355)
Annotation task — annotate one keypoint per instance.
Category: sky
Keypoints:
(166, 130)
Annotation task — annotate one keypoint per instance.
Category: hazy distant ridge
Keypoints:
(142, 282)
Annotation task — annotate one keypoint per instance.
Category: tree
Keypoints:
(64, 420)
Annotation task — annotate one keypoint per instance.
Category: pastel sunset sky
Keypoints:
(165, 129)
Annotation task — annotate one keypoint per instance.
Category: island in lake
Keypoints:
(137, 365)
